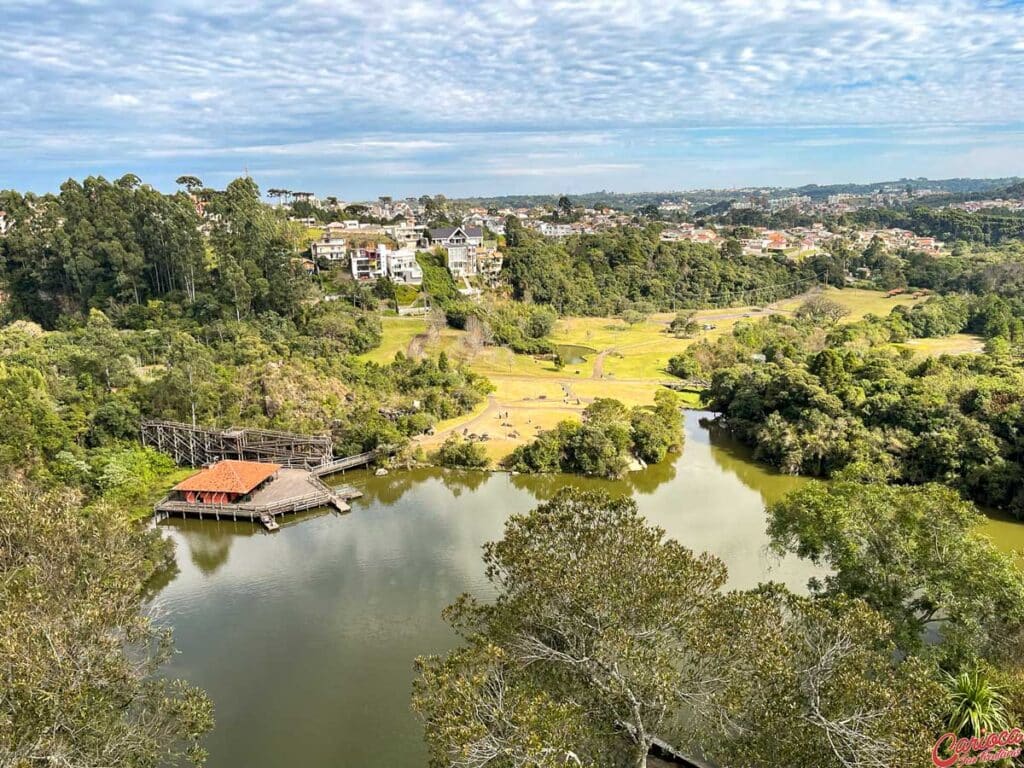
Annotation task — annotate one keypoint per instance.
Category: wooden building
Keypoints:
(226, 482)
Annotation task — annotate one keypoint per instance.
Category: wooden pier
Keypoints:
(293, 490)
(296, 487)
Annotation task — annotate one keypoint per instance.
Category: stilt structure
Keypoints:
(199, 446)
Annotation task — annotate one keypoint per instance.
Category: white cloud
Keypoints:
(120, 100)
(415, 79)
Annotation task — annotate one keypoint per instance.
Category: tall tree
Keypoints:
(79, 685)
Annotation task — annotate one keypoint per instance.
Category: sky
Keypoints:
(357, 99)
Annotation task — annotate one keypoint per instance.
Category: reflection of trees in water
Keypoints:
(645, 481)
(458, 481)
(388, 489)
(209, 541)
(736, 458)
(160, 579)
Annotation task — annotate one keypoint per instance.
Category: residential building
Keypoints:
(329, 248)
(554, 230)
(369, 262)
(5, 223)
(488, 263)
(403, 267)
(405, 234)
(460, 245)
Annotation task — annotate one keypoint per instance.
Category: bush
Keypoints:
(460, 453)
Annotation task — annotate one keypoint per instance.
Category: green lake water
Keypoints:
(574, 354)
(305, 638)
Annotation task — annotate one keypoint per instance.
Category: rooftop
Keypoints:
(229, 476)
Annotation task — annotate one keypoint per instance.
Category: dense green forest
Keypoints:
(629, 268)
(815, 396)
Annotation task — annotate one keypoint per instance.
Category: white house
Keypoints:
(405, 234)
(369, 262)
(460, 245)
(554, 230)
(330, 247)
(403, 267)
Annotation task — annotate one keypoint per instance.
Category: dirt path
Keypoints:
(599, 363)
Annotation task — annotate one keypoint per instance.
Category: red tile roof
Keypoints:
(229, 476)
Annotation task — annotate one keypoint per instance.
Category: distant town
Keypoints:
(380, 239)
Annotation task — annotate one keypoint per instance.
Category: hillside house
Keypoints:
(460, 245)
(369, 262)
(403, 267)
(330, 248)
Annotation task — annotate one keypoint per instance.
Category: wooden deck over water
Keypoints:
(291, 490)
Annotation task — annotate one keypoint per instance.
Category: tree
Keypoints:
(604, 635)
(683, 325)
(190, 183)
(78, 685)
(564, 209)
(915, 554)
(977, 705)
(820, 309)
(595, 611)
(459, 453)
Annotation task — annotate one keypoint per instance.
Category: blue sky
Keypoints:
(358, 98)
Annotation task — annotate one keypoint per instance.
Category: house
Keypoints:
(405, 233)
(776, 241)
(226, 482)
(330, 248)
(369, 262)
(460, 245)
(554, 230)
(403, 267)
(488, 263)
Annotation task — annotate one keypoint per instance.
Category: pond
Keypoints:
(305, 638)
(574, 354)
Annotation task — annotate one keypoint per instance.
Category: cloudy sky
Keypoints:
(358, 98)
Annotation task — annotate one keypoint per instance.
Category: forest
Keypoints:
(815, 396)
(629, 268)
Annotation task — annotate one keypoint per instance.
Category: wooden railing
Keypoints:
(345, 462)
(296, 504)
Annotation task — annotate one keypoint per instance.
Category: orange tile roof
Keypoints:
(229, 476)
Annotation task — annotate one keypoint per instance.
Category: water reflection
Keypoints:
(317, 626)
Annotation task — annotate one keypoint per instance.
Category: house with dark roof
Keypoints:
(459, 245)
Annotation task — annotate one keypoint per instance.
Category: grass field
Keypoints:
(398, 332)
(957, 344)
(628, 364)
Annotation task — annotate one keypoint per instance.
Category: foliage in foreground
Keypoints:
(604, 635)
(78, 682)
(914, 554)
(610, 437)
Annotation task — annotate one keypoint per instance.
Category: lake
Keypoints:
(305, 638)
